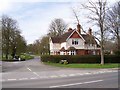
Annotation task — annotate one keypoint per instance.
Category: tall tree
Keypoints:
(113, 22)
(44, 45)
(11, 37)
(57, 27)
(98, 13)
(40, 46)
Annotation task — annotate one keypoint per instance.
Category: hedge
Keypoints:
(80, 59)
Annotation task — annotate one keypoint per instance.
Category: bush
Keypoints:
(117, 53)
(80, 59)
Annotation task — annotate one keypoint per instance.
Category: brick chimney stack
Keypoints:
(79, 28)
(90, 31)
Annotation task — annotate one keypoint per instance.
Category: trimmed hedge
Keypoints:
(80, 59)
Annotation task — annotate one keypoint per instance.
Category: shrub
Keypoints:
(117, 53)
(80, 59)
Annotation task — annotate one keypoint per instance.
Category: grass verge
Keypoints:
(108, 65)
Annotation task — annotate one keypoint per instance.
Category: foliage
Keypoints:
(12, 41)
(40, 46)
(26, 56)
(117, 53)
(22, 56)
(80, 59)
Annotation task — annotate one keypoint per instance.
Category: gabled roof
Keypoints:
(55, 39)
(89, 39)
(62, 38)
(73, 33)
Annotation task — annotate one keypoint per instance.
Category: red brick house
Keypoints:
(74, 43)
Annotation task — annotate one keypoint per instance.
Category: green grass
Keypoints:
(23, 56)
(26, 56)
(84, 65)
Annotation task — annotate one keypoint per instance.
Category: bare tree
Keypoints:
(57, 27)
(98, 13)
(113, 22)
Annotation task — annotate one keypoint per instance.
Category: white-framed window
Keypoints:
(75, 42)
(73, 53)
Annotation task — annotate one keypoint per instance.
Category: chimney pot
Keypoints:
(90, 31)
(70, 29)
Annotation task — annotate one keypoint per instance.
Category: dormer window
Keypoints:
(75, 42)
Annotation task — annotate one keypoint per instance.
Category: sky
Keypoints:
(35, 16)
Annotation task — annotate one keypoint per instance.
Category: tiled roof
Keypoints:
(89, 39)
(62, 38)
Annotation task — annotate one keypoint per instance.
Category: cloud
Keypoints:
(4, 5)
(34, 16)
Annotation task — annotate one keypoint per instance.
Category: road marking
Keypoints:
(36, 74)
(87, 73)
(63, 75)
(33, 78)
(12, 79)
(29, 69)
(80, 74)
(23, 78)
(33, 72)
(75, 84)
(43, 77)
(71, 75)
(54, 76)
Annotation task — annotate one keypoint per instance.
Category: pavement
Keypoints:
(34, 74)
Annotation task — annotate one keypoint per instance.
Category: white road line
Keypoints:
(97, 72)
(63, 75)
(71, 75)
(11, 79)
(54, 76)
(33, 72)
(87, 73)
(75, 84)
(33, 78)
(29, 69)
(80, 74)
(36, 74)
(23, 79)
(43, 77)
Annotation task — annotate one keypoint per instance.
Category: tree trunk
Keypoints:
(102, 56)
(102, 49)
(118, 40)
(7, 54)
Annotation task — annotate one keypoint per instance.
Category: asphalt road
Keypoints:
(34, 74)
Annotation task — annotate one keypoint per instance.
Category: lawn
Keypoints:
(23, 56)
(84, 65)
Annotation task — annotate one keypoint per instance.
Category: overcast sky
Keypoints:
(34, 16)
